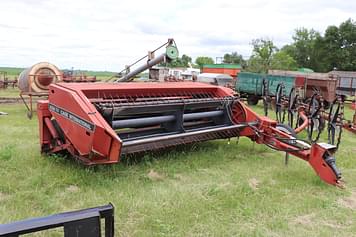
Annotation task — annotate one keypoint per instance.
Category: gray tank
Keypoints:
(38, 77)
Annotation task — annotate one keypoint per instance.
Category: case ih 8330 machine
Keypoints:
(98, 123)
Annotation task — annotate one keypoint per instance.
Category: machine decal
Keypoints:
(87, 125)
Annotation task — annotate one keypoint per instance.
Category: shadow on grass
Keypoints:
(175, 159)
(176, 153)
(138, 159)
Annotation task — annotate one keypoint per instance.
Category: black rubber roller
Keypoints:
(331, 161)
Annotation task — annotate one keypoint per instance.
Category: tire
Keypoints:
(252, 99)
(326, 104)
(287, 129)
(343, 98)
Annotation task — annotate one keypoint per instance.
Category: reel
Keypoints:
(280, 99)
(316, 121)
(265, 97)
(335, 125)
(293, 104)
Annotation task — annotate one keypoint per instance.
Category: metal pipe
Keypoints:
(142, 68)
(170, 54)
(52, 130)
(180, 135)
(305, 122)
(140, 122)
(193, 116)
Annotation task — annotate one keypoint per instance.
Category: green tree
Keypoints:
(186, 60)
(262, 54)
(183, 61)
(234, 58)
(201, 60)
(283, 61)
(255, 64)
(338, 47)
(303, 49)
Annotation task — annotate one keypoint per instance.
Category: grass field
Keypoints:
(11, 71)
(210, 189)
(10, 92)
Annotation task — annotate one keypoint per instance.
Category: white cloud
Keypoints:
(109, 34)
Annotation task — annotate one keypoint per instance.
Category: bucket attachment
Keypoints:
(81, 223)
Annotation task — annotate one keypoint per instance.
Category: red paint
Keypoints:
(353, 105)
(228, 71)
(101, 145)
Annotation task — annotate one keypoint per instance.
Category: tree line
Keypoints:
(335, 49)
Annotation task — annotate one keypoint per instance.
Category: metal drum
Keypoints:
(38, 77)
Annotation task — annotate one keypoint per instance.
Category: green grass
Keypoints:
(211, 189)
(12, 71)
(10, 92)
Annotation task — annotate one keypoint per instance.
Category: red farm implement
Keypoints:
(98, 123)
(351, 125)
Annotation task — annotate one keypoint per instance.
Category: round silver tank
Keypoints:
(38, 77)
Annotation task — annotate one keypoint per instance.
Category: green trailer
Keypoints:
(273, 81)
(250, 85)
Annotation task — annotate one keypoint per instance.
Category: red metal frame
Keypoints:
(351, 125)
(89, 137)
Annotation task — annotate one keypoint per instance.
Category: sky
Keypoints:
(109, 34)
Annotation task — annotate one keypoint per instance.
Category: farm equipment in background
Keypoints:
(316, 117)
(216, 79)
(256, 86)
(250, 85)
(34, 82)
(322, 83)
(170, 54)
(289, 91)
(5, 82)
(346, 85)
(75, 76)
(229, 70)
(99, 123)
(82, 223)
(222, 68)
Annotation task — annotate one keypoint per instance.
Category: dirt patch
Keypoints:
(3, 196)
(348, 202)
(72, 188)
(180, 177)
(254, 183)
(304, 219)
(154, 176)
(311, 220)
(225, 185)
(332, 225)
